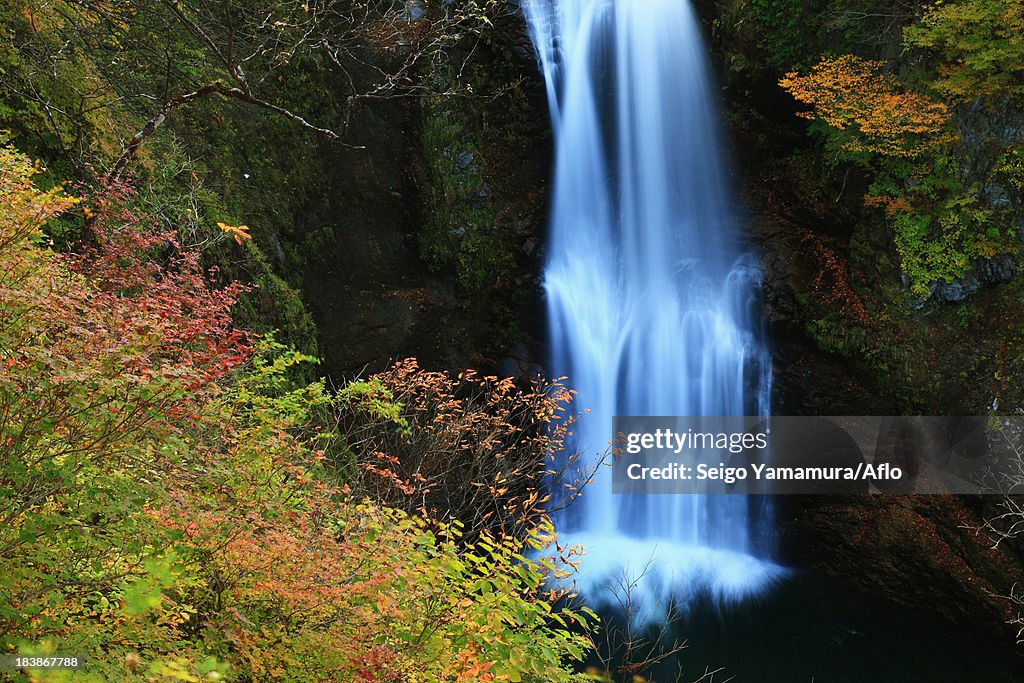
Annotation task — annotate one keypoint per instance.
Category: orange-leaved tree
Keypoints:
(940, 228)
(869, 107)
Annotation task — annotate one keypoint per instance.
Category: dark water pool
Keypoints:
(812, 629)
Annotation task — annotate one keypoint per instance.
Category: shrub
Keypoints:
(163, 501)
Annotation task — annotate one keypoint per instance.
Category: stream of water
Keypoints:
(653, 310)
(652, 299)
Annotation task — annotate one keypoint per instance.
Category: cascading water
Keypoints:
(651, 301)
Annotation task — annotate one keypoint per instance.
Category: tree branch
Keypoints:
(217, 87)
(154, 123)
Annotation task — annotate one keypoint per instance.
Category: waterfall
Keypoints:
(652, 302)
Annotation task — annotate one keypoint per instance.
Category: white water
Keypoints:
(651, 301)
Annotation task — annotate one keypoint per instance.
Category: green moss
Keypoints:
(461, 233)
(189, 173)
(274, 305)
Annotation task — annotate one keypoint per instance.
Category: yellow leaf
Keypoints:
(239, 232)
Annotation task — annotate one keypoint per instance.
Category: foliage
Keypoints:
(167, 506)
(101, 353)
(876, 234)
(303, 583)
(940, 228)
(462, 233)
(941, 245)
(153, 57)
(980, 45)
(787, 31)
(869, 109)
(473, 448)
(1009, 167)
(238, 232)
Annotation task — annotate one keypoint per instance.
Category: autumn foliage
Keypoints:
(173, 507)
(940, 226)
(101, 354)
(856, 96)
(473, 448)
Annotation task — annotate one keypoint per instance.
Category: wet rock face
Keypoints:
(806, 381)
(999, 270)
(359, 285)
(985, 134)
(375, 286)
(913, 551)
(521, 364)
